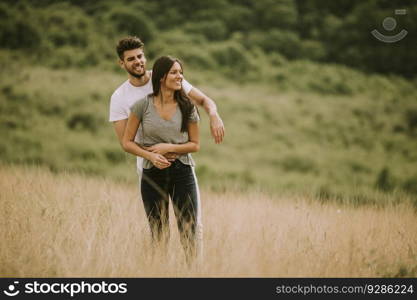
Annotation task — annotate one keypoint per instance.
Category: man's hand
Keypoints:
(162, 148)
(171, 156)
(217, 128)
(216, 123)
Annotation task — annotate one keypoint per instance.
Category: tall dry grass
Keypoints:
(69, 225)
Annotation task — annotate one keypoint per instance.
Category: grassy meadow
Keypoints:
(317, 174)
(71, 225)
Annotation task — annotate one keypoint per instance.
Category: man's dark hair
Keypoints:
(128, 43)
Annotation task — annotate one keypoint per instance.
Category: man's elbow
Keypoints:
(125, 145)
(202, 101)
(196, 147)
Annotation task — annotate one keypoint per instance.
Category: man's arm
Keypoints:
(216, 123)
(119, 128)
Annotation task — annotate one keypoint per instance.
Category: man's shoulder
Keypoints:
(144, 101)
(140, 106)
(119, 91)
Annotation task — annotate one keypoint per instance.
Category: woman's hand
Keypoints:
(162, 148)
(159, 161)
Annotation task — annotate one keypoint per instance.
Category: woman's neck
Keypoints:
(165, 96)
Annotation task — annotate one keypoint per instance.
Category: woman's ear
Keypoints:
(163, 79)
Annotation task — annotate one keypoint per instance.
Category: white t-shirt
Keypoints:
(126, 95)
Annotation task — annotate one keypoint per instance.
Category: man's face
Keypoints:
(134, 62)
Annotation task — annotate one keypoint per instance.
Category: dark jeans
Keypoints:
(178, 182)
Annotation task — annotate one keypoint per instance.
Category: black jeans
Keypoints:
(178, 182)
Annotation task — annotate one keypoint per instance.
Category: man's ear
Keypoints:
(121, 63)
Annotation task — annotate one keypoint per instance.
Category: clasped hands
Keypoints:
(161, 155)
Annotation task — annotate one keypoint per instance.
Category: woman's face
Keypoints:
(173, 80)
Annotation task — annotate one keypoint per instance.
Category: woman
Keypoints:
(168, 123)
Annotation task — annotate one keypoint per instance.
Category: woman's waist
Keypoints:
(149, 143)
(184, 158)
(173, 156)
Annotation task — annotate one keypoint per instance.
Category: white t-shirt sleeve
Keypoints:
(117, 110)
(186, 86)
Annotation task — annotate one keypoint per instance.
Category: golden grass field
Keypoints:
(66, 225)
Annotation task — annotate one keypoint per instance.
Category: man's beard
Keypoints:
(138, 76)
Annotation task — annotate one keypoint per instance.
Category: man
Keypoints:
(132, 59)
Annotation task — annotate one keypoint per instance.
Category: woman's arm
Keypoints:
(129, 145)
(193, 144)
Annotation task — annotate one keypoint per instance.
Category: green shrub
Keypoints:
(176, 43)
(211, 30)
(114, 155)
(325, 194)
(385, 180)
(285, 42)
(275, 14)
(313, 50)
(66, 25)
(49, 107)
(17, 31)
(132, 22)
(84, 154)
(410, 185)
(191, 56)
(358, 167)
(83, 121)
(64, 57)
(297, 163)
(411, 119)
(232, 56)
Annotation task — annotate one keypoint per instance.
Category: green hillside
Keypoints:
(304, 130)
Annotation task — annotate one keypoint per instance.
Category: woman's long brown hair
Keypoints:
(161, 68)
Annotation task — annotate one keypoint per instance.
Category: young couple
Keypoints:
(155, 118)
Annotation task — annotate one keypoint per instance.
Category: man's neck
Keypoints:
(140, 81)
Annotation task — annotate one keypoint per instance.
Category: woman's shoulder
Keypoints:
(141, 105)
(142, 101)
